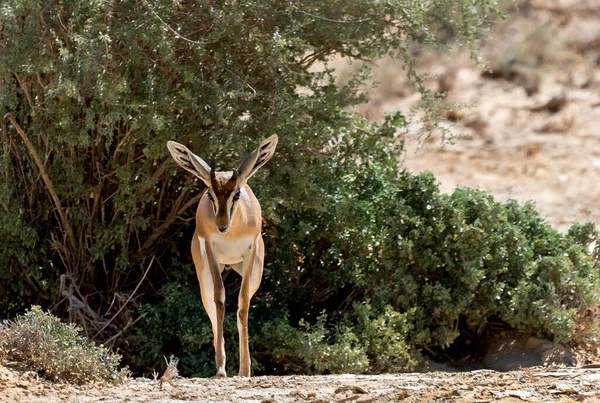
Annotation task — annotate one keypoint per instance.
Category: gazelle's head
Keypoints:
(224, 188)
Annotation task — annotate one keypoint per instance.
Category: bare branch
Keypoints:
(128, 299)
(46, 178)
(329, 19)
(165, 225)
(25, 87)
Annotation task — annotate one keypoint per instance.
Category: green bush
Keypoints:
(312, 349)
(466, 255)
(345, 355)
(451, 263)
(384, 337)
(460, 257)
(99, 87)
(57, 350)
(363, 342)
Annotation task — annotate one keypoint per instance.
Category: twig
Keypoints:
(46, 179)
(241, 79)
(163, 227)
(157, 174)
(40, 82)
(177, 34)
(122, 142)
(25, 87)
(128, 299)
(328, 19)
(2, 44)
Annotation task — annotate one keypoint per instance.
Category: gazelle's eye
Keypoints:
(210, 197)
(236, 196)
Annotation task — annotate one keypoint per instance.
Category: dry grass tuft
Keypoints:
(171, 372)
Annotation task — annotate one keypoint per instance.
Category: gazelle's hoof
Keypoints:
(221, 374)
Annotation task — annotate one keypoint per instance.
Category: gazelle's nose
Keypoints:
(222, 228)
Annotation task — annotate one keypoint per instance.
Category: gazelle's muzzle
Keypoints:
(222, 223)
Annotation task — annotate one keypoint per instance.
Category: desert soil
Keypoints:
(530, 385)
(532, 133)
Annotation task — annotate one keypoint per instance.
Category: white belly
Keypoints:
(231, 251)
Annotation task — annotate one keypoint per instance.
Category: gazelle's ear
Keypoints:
(190, 161)
(257, 158)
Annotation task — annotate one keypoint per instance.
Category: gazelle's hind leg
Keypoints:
(251, 277)
(212, 292)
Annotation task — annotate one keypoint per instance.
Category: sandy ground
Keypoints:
(513, 146)
(532, 132)
(531, 385)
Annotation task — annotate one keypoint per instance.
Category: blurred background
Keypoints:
(529, 126)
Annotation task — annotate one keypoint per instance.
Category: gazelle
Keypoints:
(228, 232)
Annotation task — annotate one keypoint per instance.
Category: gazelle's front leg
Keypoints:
(212, 292)
(251, 277)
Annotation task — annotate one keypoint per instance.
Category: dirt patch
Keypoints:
(514, 150)
(530, 126)
(531, 385)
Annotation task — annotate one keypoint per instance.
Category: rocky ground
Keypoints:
(528, 385)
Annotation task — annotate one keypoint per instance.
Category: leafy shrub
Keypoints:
(459, 257)
(311, 349)
(384, 337)
(366, 341)
(57, 350)
(179, 325)
(344, 356)
(466, 255)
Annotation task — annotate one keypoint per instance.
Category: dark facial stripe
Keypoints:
(223, 188)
